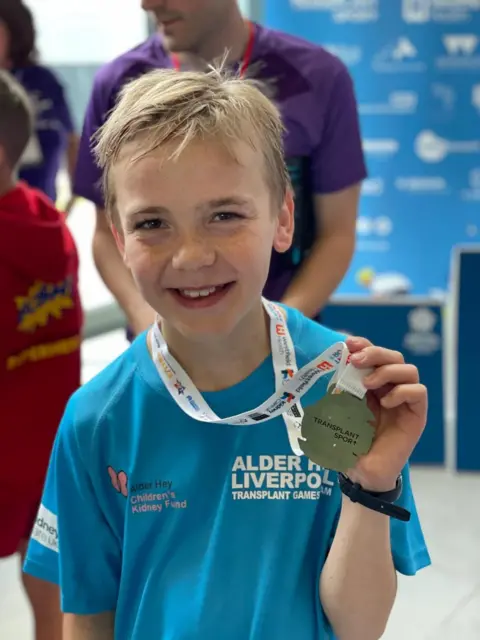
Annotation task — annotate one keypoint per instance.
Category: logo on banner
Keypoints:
(383, 284)
(462, 44)
(400, 56)
(419, 185)
(380, 226)
(471, 230)
(357, 11)
(416, 11)
(372, 234)
(445, 95)
(398, 103)
(421, 337)
(472, 193)
(349, 54)
(373, 187)
(462, 52)
(381, 147)
(445, 11)
(431, 148)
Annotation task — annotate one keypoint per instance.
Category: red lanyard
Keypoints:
(247, 56)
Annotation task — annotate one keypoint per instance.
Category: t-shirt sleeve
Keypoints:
(338, 161)
(71, 543)
(409, 550)
(88, 176)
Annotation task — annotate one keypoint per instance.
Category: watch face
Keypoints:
(337, 430)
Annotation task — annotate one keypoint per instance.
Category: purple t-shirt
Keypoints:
(315, 95)
(53, 124)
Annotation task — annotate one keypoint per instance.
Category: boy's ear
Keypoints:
(119, 239)
(285, 224)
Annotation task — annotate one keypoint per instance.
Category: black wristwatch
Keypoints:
(383, 502)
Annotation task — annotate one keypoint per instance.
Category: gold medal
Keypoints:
(337, 430)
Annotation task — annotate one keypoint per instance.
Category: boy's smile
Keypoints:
(197, 232)
(202, 298)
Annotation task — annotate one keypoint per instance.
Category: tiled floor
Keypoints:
(441, 603)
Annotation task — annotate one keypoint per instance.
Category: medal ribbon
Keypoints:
(290, 383)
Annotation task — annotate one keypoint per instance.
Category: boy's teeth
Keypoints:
(196, 293)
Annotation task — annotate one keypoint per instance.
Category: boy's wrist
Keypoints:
(361, 515)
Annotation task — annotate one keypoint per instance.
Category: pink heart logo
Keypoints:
(119, 481)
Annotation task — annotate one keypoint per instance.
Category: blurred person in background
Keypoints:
(40, 326)
(315, 94)
(54, 143)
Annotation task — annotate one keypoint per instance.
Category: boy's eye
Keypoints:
(227, 215)
(149, 224)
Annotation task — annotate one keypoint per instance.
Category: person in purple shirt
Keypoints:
(54, 142)
(315, 94)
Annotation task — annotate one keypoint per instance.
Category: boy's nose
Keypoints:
(193, 254)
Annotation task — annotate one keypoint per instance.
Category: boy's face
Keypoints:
(197, 233)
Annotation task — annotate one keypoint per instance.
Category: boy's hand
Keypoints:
(399, 404)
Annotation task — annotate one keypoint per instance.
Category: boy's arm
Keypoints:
(358, 583)
(96, 627)
(117, 278)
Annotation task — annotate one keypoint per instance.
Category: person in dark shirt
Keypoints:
(54, 143)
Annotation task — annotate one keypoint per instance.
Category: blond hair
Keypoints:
(166, 106)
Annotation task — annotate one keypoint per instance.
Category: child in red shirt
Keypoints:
(40, 326)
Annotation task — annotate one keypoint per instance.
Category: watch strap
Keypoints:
(382, 502)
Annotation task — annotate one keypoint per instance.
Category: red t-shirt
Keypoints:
(40, 327)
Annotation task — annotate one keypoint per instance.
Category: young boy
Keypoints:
(159, 520)
(40, 323)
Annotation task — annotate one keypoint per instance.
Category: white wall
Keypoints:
(84, 32)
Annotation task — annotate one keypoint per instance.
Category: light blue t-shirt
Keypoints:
(187, 529)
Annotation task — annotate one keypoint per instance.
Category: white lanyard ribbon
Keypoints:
(290, 383)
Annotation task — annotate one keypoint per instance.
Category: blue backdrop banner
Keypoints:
(416, 67)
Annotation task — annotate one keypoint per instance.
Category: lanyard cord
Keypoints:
(247, 56)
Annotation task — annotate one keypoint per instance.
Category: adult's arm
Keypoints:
(331, 253)
(117, 277)
(338, 169)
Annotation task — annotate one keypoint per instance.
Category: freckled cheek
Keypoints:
(146, 262)
(249, 254)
